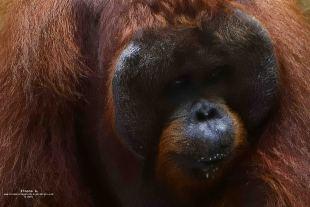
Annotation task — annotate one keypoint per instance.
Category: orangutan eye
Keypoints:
(218, 74)
(181, 83)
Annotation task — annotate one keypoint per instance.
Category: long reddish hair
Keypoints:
(45, 56)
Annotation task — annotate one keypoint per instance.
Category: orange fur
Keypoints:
(46, 55)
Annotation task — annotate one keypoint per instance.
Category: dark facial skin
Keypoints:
(197, 75)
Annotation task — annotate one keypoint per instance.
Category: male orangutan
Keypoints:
(154, 103)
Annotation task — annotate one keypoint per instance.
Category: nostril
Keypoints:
(200, 115)
(203, 114)
(212, 113)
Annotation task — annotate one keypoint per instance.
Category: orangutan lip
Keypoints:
(205, 167)
(213, 159)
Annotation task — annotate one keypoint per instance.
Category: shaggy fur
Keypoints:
(49, 52)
